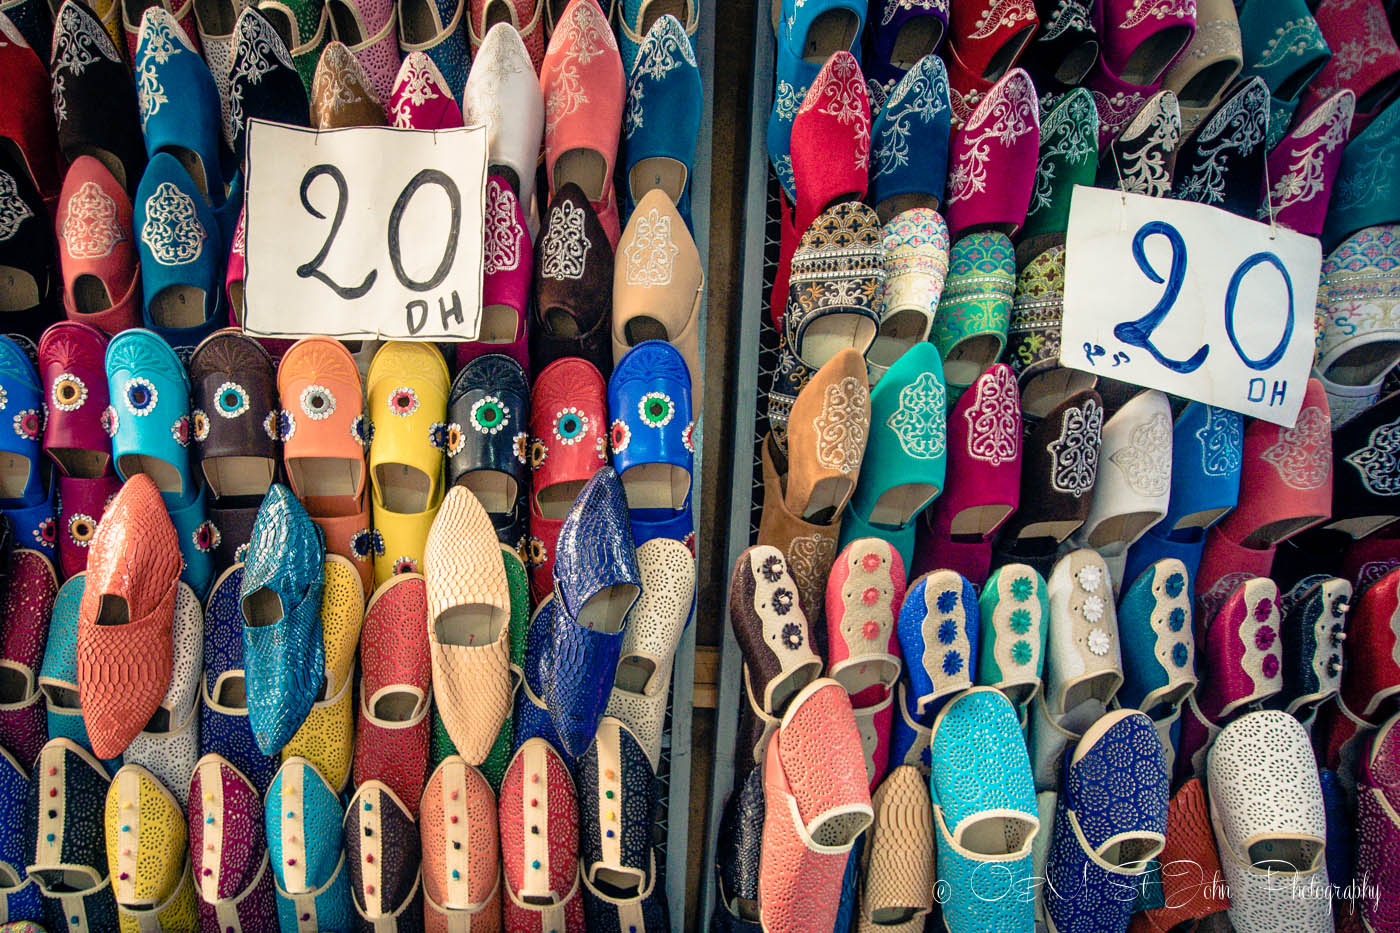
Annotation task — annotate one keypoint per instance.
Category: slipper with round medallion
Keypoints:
(487, 441)
(651, 439)
(23, 497)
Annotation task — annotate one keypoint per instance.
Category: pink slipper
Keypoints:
(1365, 58)
(992, 168)
(421, 99)
(508, 264)
(863, 596)
(1305, 163)
(1242, 653)
(1142, 40)
(984, 452)
(1116, 100)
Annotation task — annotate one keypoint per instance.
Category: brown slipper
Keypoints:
(827, 433)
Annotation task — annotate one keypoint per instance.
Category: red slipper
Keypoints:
(992, 167)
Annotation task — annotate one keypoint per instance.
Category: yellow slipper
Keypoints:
(147, 847)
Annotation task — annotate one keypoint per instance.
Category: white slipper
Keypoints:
(1083, 668)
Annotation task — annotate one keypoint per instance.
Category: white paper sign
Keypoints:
(364, 232)
(1191, 300)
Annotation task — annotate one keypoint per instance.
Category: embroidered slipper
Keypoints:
(970, 325)
(391, 744)
(771, 627)
(1133, 484)
(580, 142)
(597, 584)
(97, 257)
(659, 151)
(180, 252)
(817, 804)
(642, 683)
(187, 127)
(836, 286)
(1014, 616)
(277, 93)
(573, 283)
(1083, 669)
(981, 47)
(827, 436)
(128, 602)
(984, 812)
(28, 123)
(1358, 341)
(1314, 614)
(992, 171)
(324, 433)
(1298, 198)
(1363, 484)
(383, 855)
(897, 859)
(146, 842)
(505, 81)
(342, 95)
(1116, 100)
(1033, 336)
(422, 98)
(1241, 657)
(1069, 156)
(168, 746)
(1063, 449)
(1287, 476)
(1374, 79)
(912, 131)
(1370, 679)
(652, 451)
(305, 28)
(434, 27)
(1221, 162)
(568, 443)
(303, 821)
(228, 853)
(808, 36)
(808, 548)
(1110, 821)
(86, 69)
(460, 846)
(637, 18)
(916, 263)
(1141, 44)
(541, 868)
(939, 638)
(1154, 620)
(1064, 48)
(830, 141)
(214, 23)
(1207, 450)
(1363, 197)
(508, 268)
(487, 440)
(68, 856)
(469, 611)
(1138, 158)
(863, 596)
(658, 284)
(1263, 845)
(26, 251)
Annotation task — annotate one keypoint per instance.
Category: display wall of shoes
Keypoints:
(1075, 630)
(324, 636)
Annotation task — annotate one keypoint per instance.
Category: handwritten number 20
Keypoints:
(1138, 333)
(312, 268)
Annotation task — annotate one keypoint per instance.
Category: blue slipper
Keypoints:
(182, 254)
(487, 440)
(150, 413)
(938, 634)
(1313, 632)
(1155, 635)
(909, 737)
(911, 136)
(68, 858)
(650, 436)
(303, 818)
(661, 124)
(280, 598)
(22, 405)
(20, 896)
(631, 36)
(224, 726)
(58, 676)
(180, 110)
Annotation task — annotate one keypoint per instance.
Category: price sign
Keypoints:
(369, 232)
(1191, 300)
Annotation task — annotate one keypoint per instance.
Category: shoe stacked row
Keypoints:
(499, 763)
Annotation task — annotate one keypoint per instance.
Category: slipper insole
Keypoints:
(1124, 527)
(1206, 84)
(896, 204)
(618, 883)
(402, 488)
(14, 474)
(396, 706)
(1048, 389)
(216, 17)
(239, 476)
(470, 624)
(634, 674)
(64, 880)
(658, 172)
(57, 697)
(828, 496)
(656, 486)
(1373, 98)
(642, 328)
(898, 505)
(495, 490)
(1129, 852)
(866, 674)
(916, 38)
(1168, 701)
(969, 358)
(559, 322)
(656, 9)
(841, 829)
(1019, 694)
(1058, 529)
(556, 9)
(1285, 854)
(1274, 532)
(787, 686)
(162, 472)
(996, 835)
(1202, 519)
(345, 23)
(8, 876)
(90, 295)
(499, 324)
(1362, 525)
(1074, 67)
(1003, 58)
(113, 610)
(831, 32)
(978, 521)
(235, 300)
(194, 165)
(831, 333)
(108, 159)
(1150, 58)
(555, 500)
(14, 685)
(584, 167)
(606, 610)
(159, 721)
(1364, 364)
(18, 290)
(325, 477)
(1086, 702)
(262, 607)
(177, 306)
(892, 916)
(497, 11)
(232, 691)
(417, 22)
(896, 335)
(132, 9)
